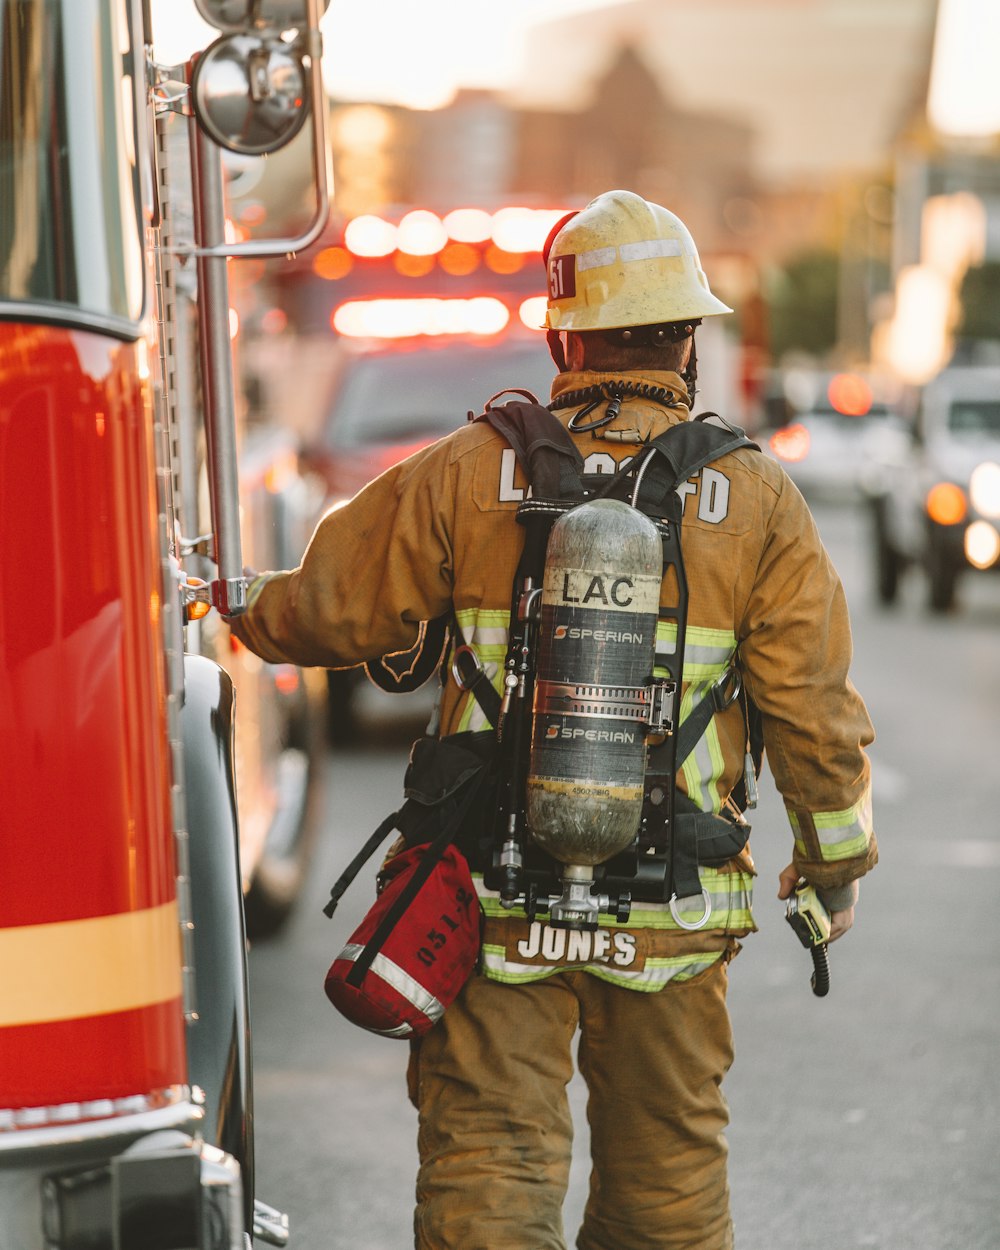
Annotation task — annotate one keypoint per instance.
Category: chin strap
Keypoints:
(554, 340)
(690, 375)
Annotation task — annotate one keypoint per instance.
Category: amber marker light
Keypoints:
(332, 263)
(196, 608)
(946, 503)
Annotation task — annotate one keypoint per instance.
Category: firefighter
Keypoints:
(436, 534)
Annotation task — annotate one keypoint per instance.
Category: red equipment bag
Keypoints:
(419, 942)
(414, 950)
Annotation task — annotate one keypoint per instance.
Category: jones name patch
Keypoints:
(545, 945)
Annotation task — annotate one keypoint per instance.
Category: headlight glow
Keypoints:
(984, 488)
(982, 544)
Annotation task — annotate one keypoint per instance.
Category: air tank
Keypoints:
(597, 636)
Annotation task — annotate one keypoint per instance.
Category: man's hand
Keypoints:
(840, 920)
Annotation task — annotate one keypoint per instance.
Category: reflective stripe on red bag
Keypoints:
(421, 958)
(395, 979)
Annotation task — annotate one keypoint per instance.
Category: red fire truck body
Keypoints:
(125, 1093)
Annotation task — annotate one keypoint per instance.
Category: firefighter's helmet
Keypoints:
(624, 261)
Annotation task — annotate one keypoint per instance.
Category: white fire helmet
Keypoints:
(624, 261)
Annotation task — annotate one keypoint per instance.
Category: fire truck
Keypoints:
(128, 839)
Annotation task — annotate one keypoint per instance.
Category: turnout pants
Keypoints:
(489, 1082)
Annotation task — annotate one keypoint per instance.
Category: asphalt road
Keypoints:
(870, 1118)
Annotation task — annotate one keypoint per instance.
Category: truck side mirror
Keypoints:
(244, 15)
(249, 93)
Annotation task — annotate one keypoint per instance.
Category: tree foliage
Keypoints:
(979, 302)
(802, 304)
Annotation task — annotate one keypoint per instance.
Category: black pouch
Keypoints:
(437, 777)
(702, 838)
(438, 808)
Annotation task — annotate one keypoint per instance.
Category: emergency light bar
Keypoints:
(423, 233)
(409, 318)
(439, 258)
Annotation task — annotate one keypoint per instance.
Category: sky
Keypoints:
(370, 45)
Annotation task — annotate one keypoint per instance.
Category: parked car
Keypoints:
(937, 506)
(386, 404)
(826, 448)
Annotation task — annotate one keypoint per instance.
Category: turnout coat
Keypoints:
(437, 532)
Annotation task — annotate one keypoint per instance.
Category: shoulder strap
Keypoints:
(543, 446)
(671, 458)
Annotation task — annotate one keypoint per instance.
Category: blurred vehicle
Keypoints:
(937, 505)
(825, 448)
(390, 401)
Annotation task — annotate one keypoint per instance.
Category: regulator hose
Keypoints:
(821, 970)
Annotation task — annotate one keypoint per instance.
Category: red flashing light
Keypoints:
(791, 443)
(459, 259)
(421, 233)
(333, 263)
(413, 266)
(409, 318)
(849, 394)
(501, 261)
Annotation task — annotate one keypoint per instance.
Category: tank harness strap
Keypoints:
(469, 675)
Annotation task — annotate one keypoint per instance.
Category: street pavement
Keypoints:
(870, 1118)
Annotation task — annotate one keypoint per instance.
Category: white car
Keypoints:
(825, 451)
(937, 507)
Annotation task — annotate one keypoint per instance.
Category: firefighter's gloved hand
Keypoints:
(839, 901)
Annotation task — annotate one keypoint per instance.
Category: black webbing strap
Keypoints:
(473, 678)
(672, 458)
(427, 864)
(358, 862)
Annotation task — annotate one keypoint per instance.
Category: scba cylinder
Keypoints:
(597, 639)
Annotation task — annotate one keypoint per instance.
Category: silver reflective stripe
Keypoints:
(401, 981)
(595, 259)
(649, 249)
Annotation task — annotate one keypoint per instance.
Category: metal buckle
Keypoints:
(661, 696)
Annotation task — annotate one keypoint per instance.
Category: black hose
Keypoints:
(821, 970)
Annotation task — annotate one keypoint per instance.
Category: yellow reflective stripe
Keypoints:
(485, 631)
(707, 652)
(730, 893)
(92, 967)
(656, 974)
(704, 766)
(841, 835)
(256, 586)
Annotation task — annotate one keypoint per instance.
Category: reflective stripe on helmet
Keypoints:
(624, 261)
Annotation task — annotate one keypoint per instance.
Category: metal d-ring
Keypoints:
(461, 681)
(727, 689)
(700, 924)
